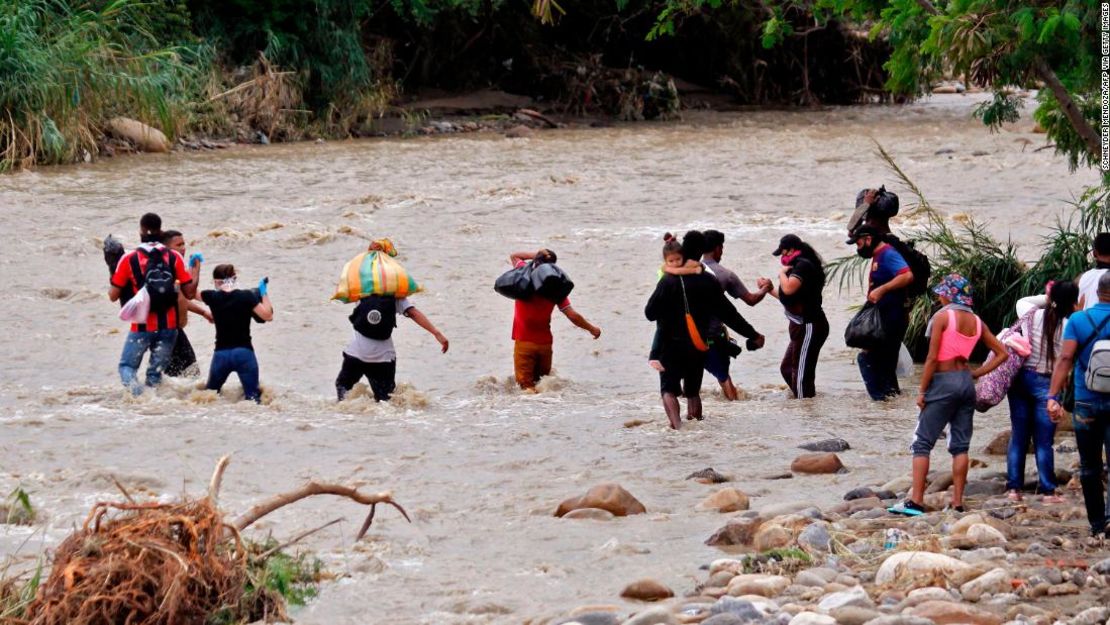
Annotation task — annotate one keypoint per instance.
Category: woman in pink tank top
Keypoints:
(947, 396)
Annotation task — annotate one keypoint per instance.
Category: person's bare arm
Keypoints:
(581, 322)
(516, 257)
(900, 281)
(752, 298)
(939, 323)
(690, 268)
(422, 321)
(114, 292)
(788, 284)
(197, 308)
(1000, 354)
(264, 309)
(1065, 360)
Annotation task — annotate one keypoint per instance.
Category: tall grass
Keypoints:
(995, 268)
(67, 66)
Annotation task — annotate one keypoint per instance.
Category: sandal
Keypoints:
(1052, 499)
(1014, 495)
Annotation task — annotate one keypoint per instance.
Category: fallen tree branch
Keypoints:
(316, 488)
(217, 479)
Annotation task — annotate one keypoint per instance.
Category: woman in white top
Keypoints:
(1042, 322)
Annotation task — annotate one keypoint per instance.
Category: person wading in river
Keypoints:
(532, 337)
(183, 360)
(150, 261)
(683, 307)
(370, 352)
(947, 396)
(232, 311)
(888, 279)
(721, 349)
(801, 281)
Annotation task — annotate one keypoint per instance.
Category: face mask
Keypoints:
(227, 284)
(786, 259)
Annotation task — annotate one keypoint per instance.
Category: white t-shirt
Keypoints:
(1088, 287)
(1036, 361)
(372, 350)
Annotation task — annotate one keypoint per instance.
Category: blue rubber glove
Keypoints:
(263, 284)
(195, 259)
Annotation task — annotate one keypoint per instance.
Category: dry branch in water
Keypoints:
(152, 563)
(316, 488)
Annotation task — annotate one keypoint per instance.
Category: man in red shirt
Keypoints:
(532, 327)
(159, 332)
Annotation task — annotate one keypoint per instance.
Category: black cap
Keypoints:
(788, 242)
(863, 231)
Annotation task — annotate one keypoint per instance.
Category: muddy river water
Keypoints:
(480, 466)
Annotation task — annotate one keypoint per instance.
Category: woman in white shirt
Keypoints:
(1042, 322)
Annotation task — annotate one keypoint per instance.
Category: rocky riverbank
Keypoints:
(1001, 562)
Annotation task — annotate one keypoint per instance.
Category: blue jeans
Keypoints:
(1029, 421)
(160, 343)
(238, 360)
(1092, 435)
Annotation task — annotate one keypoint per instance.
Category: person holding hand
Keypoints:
(232, 311)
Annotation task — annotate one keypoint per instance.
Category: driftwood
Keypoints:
(316, 488)
(154, 563)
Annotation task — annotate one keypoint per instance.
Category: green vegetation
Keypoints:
(16, 594)
(17, 510)
(289, 69)
(995, 44)
(274, 581)
(65, 68)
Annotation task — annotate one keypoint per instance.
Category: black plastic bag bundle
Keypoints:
(515, 283)
(551, 283)
(865, 330)
(546, 280)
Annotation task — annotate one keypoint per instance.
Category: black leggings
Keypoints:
(799, 364)
(382, 377)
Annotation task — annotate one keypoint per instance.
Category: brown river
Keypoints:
(480, 466)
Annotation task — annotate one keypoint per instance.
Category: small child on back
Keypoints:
(676, 264)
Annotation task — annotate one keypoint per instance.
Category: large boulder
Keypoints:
(609, 496)
(738, 532)
(949, 613)
(647, 590)
(725, 500)
(146, 138)
(817, 463)
(914, 563)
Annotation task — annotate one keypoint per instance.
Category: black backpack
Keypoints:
(158, 278)
(375, 317)
(919, 264)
